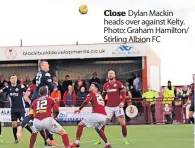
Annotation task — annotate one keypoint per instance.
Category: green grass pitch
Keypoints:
(141, 136)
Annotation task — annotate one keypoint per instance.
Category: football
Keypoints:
(83, 9)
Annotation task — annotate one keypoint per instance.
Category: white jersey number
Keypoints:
(41, 105)
(38, 79)
(100, 100)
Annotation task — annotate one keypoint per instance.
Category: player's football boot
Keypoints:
(125, 142)
(75, 145)
(98, 142)
(108, 146)
(19, 132)
(52, 143)
(16, 141)
(47, 144)
(1, 139)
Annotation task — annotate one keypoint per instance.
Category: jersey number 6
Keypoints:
(42, 105)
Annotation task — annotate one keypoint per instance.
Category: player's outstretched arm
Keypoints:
(26, 97)
(5, 89)
(87, 100)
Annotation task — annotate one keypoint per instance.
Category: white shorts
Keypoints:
(48, 123)
(95, 120)
(114, 110)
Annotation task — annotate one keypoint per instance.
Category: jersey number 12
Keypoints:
(42, 105)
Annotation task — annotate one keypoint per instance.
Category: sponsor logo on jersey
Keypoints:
(111, 90)
(14, 94)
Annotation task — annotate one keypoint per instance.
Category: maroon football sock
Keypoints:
(79, 132)
(65, 140)
(124, 131)
(32, 140)
(103, 128)
(102, 135)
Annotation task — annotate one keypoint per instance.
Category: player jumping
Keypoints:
(43, 78)
(114, 90)
(98, 117)
(42, 110)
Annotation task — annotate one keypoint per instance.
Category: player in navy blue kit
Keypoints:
(15, 92)
(43, 78)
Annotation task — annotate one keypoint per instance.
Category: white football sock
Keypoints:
(124, 138)
(77, 141)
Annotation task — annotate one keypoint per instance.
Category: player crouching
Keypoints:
(42, 111)
(98, 117)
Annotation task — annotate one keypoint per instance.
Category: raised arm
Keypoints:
(87, 100)
(5, 89)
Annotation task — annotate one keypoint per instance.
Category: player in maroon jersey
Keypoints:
(97, 118)
(50, 141)
(31, 88)
(42, 110)
(114, 91)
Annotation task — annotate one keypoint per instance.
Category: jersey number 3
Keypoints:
(42, 105)
(38, 78)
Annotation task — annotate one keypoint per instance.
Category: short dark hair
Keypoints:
(43, 91)
(67, 76)
(97, 85)
(12, 75)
